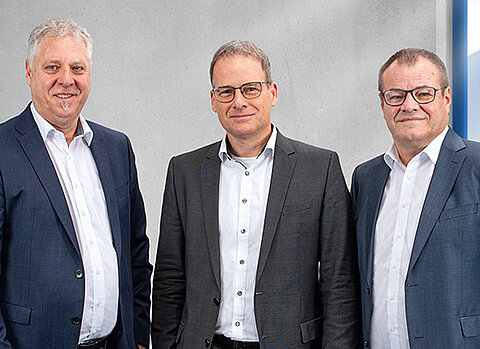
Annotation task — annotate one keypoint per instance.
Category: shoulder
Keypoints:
(108, 133)
(368, 166)
(303, 150)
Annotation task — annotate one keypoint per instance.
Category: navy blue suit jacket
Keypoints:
(442, 288)
(41, 272)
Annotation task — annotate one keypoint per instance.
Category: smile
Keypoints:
(63, 95)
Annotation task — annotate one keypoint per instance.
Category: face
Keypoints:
(243, 118)
(413, 126)
(60, 80)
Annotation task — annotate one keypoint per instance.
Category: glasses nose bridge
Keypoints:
(408, 101)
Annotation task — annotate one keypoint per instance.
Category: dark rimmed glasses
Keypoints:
(249, 90)
(422, 95)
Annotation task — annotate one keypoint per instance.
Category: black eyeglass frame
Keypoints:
(241, 91)
(411, 92)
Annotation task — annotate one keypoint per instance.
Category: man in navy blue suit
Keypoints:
(417, 217)
(74, 267)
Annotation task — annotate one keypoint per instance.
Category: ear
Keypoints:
(447, 97)
(28, 72)
(274, 92)
(213, 101)
(382, 102)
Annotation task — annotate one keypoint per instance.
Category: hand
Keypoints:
(141, 347)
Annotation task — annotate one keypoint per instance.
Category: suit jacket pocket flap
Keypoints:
(470, 325)
(459, 211)
(311, 329)
(296, 207)
(15, 313)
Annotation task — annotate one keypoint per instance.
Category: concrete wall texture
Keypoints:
(151, 60)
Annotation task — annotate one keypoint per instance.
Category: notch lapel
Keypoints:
(448, 165)
(209, 183)
(283, 165)
(377, 181)
(99, 149)
(32, 144)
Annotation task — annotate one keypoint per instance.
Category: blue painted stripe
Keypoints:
(460, 71)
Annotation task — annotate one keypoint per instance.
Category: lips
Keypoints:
(63, 95)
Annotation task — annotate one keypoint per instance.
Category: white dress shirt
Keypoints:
(243, 192)
(78, 176)
(398, 218)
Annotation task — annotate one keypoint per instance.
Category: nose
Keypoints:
(65, 76)
(409, 104)
(238, 100)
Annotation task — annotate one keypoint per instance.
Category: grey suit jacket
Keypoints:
(307, 221)
(442, 289)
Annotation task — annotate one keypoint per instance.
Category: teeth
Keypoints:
(64, 95)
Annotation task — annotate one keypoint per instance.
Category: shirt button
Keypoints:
(244, 201)
(242, 262)
(409, 176)
(392, 329)
(392, 298)
(79, 274)
(216, 301)
(207, 343)
(243, 231)
(239, 293)
(98, 272)
(237, 323)
(247, 173)
(404, 205)
(399, 235)
(394, 266)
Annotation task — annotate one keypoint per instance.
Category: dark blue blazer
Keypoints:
(442, 288)
(41, 272)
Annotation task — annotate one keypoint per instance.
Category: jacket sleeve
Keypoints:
(169, 274)
(339, 284)
(4, 343)
(139, 249)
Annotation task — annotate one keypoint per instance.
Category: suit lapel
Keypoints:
(99, 149)
(448, 165)
(283, 165)
(32, 144)
(209, 183)
(378, 179)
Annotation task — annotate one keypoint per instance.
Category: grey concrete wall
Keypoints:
(150, 74)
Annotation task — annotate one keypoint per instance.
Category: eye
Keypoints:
(51, 68)
(77, 69)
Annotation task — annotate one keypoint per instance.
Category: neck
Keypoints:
(247, 147)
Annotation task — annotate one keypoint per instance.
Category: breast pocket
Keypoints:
(459, 212)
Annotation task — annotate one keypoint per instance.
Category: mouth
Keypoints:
(64, 95)
(241, 116)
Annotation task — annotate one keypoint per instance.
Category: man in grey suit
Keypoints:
(417, 218)
(247, 225)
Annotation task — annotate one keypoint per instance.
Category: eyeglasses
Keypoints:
(249, 90)
(421, 95)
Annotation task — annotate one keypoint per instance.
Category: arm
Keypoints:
(4, 343)
(339, 285)
(139, 249)
(169, 275)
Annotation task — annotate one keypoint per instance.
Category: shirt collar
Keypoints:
(432, 151)
(46, 128)
(224, 154)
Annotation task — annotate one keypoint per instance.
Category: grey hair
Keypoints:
(245, 48)
(57, 27)
(409, 57)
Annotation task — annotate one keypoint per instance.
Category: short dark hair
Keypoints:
(409, 57)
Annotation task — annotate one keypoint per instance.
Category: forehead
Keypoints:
(237, 69)
(422, 73)
(61, 48)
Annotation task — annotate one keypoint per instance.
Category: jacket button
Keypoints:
(369, 291)
(365, 342)
(76, 320)
(207, 343)
(79, 274)
(216, 301)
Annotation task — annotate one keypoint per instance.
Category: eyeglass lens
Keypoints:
(248, 90)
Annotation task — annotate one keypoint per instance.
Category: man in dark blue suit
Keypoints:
(417, 217)
(74, 267)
